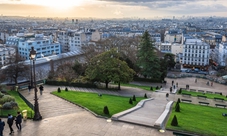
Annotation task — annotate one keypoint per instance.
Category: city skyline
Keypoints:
(113, 8)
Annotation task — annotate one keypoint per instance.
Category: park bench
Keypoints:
(224, 114)
(218, 99)
(220, 105)
(218, 92)
(192, 90)
(204, 103)
(182, 134)
(201, 96)
(201, 91)
(209, 92)
(185, 94)
(185, 100)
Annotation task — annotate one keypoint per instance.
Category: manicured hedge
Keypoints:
(87, 85)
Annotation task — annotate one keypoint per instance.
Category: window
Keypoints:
(29, 43)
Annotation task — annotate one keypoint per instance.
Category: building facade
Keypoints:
(195, 54)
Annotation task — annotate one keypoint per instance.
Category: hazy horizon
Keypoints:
(113, 8)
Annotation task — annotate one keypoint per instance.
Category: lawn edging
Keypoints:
(160, 122)
(138, 106)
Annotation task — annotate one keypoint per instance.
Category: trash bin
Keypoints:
(24, 114)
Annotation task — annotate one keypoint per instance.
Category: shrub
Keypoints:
(174, 121)
(157, 87)
(177, 107)
(151, 88)
(220, 93)
(130, 101)
(14, 104)
(59, 90)
(160, 86)
(106, 110)
(6, 98)
(145, 95)
(180, 91)
(7, 105)
(1, 94)
(134, 98)
(178, 100)
(66, 89)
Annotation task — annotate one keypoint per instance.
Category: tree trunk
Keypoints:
(107, 84)
(119, 86)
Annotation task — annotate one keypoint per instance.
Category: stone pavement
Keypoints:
(62, 118)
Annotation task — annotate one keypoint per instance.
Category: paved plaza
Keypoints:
(62, 118)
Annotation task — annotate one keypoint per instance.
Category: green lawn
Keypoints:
(96, 104)
(22, 106)
(208, 95)
(140, 86)
(199, 119)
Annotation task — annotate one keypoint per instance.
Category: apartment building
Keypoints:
(5, 53)
(222, 54)
(195, 54)
(44, 46)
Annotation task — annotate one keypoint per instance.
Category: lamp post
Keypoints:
(31, 77)
(37, 115)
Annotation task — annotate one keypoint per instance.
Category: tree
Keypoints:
(177, 107)
(169, 60)
(147, 58)
(16, 68)
(107, 67)
(174, 121)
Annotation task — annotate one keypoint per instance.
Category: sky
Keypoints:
(113, 8)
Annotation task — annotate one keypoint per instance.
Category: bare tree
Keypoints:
(16, 68)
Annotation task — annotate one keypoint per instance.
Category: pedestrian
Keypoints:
(41, 89)
(167, 95)
(170, 89)
(211, 84)
(177, 84)
(29, 88)
(2, 124)
(10, 123)
(18, 120)
(172, 82)
(196, 80)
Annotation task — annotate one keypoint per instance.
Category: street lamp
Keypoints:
(37, 115)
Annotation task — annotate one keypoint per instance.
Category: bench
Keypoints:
(204, 103)
(209, 92)
(22, 87)
(192, 90)
(182, 134)
(220, 105)
(201, 91)
(184, 100)
(201, 96)
(218, 99)
(185, 94)
(224, 114)
(218, 93)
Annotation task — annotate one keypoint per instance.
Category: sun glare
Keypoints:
(58, 4)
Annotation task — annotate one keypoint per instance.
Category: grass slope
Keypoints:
(96, 104)
(200, 119)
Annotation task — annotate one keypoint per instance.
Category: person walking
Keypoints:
(2, 124)
(18, 120)
(29, 88)
(41, 89)
(167, 95)
(10, 123)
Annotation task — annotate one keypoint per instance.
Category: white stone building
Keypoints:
(5, 53)
(44, 46)
(222, 54)
(195, 54)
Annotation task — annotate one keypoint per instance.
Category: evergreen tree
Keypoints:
(178, 100)
(147, 58)
(174, 121)
(145, 95)
(106, 110)
(134, 98)
(177, 107)
(130, 101)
